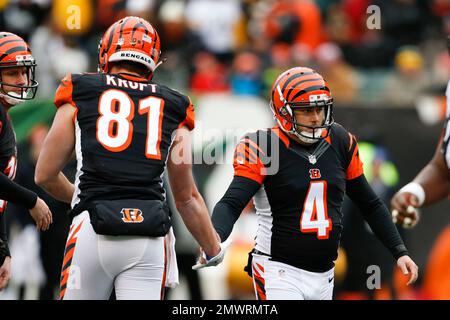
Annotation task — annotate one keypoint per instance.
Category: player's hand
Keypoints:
(408, 266)
(5, 273)
(204, 261)
(404, 209)
(41, 215)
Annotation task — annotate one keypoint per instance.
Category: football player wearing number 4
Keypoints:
(299, 204)
(124, 128)
(17, 84)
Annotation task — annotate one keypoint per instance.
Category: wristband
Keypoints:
(415, 189)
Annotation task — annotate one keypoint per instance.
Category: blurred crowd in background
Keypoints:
(240, 46)
(226, 54)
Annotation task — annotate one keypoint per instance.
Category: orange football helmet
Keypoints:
(132, 39)
(15, 52)
(301, 87)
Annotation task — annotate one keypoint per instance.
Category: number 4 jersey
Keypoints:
(301, 193)
(124, 127)
(8, 152)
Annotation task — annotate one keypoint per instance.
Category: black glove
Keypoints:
(4, 251)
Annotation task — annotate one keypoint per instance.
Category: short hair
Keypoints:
(132, 66)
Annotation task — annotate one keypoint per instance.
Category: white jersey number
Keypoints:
(314, 217)
(115, 127)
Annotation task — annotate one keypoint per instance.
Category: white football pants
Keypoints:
(273, 280)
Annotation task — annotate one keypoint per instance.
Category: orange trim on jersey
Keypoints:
(247, 167)
(250, 175)
(283, 137)
(328, 138)
(189, 121)
(355, 168)
(67, 261)
(247, 152)
(254, 145)
(64, 92)
(260, 283)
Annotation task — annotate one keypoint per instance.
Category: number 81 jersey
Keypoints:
(124, 127)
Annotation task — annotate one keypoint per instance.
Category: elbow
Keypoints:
(42, 179)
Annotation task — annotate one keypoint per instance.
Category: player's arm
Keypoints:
(56, 152)
(249, 174)
(379, 219)
(227, 211)
(430, 185)
(15, 193)
(188, 200)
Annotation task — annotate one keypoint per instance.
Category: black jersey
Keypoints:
(301, 195)
(8, 149)
(124, 128)
(446, 142)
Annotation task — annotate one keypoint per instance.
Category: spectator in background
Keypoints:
(404, 21)
(58, 53)
(295, 22)
(245, 78)
(179, 44)
(22, 17)
(281, 59)
(408, 81)
(216, 23)
(340, 75)
(210, 75)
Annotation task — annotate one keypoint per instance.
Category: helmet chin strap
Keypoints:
(305, 136)
(308, 137)
(15, 100)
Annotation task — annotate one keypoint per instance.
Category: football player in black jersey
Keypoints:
(298, 174)
(125, 129)
(17, 84)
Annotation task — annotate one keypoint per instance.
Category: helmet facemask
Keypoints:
(287, 113)
(27, 91)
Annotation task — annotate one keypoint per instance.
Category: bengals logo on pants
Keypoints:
(132, 215)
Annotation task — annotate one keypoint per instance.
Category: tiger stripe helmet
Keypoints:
(301, 87)
(15, 52)
(132, 39)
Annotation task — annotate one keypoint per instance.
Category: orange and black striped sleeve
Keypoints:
(247, 161)
(189, 120)
(64, 92)
(355, 167)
